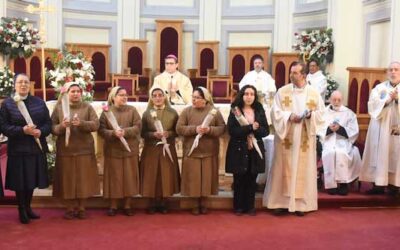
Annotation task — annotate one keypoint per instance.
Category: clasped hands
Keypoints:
(32, 130)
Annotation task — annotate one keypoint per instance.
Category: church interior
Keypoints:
(216, 42)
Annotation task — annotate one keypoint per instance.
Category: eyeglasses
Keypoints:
(157, 96)
(197, 97)
(23, 83)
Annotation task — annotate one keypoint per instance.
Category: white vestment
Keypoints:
(292, 182)
(318, 81)
(341, 159)
(381, 162)
(175, 82)
(265, 84)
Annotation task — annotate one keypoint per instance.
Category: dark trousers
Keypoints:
(244, 192)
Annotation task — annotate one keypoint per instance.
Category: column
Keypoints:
(283, 29)
(395, 34)
(54, 26)
(345, 18)
(210, 20)
(128, 25)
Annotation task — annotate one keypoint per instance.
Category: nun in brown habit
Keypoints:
(159, 170)
(121, 167)
(76, 177)
(200, 168)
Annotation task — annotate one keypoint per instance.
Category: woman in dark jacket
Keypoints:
(247, 125)
(26, 163)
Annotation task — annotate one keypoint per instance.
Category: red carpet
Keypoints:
(324, 229)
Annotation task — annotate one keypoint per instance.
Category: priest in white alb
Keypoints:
(263, 82)
(316, 78)
(381, 162)
(341, 159)
(176, 85)
(297, 115)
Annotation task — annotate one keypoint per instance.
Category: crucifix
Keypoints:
(311, 105)
(286, 143)
(287, 101)
(41, 9)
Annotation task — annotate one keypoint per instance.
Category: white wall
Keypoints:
(86, 35)
(379, 45)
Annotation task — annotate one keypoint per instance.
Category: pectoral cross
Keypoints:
(311, 104)
(287, 101)
(286, 143)
(42, 9)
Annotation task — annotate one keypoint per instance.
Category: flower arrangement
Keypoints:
(6, 81)
(72, 67)
(332, 86)
(17, 39)
(315, 44)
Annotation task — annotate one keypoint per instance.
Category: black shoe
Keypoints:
(332, 191)
(343, 189)
(376, 190)
(203, 210)
(393, 190)
(280, 211)
(112, 212)
(238, 212)
(163, 209)
(299, 213)
(128, 211)
(252, 212)
(31, 214)
(23, 216)
(151, 210)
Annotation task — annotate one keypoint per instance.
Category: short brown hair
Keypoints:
(303, 70)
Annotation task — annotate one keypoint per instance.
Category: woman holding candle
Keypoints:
(120, 127)
(27, 147)
(200, 125)
(159, 162)
(76, 178)
(247, 125)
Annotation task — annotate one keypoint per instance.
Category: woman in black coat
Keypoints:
(26, 161)
(242, 158)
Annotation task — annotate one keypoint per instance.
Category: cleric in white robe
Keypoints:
(176, 85)
(341, 159)
(316, 78)
(297, 115)
(263, 82)
(381, 162)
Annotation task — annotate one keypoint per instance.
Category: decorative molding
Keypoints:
(167, 11)
(247, 12)
(380, 16)
(81, 6)
(302, 8)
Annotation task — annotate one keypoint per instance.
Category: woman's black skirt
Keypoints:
(26, 172)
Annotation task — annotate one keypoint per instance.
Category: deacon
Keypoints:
(176, 85)
(341, 159)
(316, 78)
(381, 164)
(297, 115)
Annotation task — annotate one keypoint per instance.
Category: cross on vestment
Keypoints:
(286, 143)
(304, 145)
(287, 101)
(42, 9)
(311, 105)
